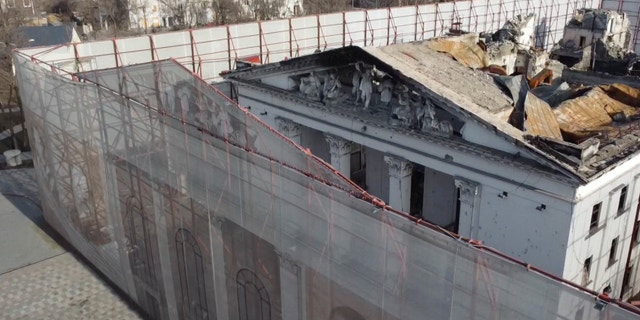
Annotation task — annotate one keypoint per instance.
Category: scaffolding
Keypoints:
(198, 210)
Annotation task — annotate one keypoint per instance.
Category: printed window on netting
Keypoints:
(192, 281)
(139, 242)
(253, 298)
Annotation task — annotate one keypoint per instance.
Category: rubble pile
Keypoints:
(584, 125)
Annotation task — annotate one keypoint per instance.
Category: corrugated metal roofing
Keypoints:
(589, 114)
(468, 54)
(540, 119)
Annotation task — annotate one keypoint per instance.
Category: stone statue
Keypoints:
(366, 88)
(405, 110)
(427, 121)
(355, 82)
(311, 86)
(446, 128)
(386, 90)
(403, 95)
(332, 87)
(405, 113)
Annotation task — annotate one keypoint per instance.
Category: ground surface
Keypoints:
(39, 277)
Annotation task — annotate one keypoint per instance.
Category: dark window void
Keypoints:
(613, 253)
(622, 200)
(358, 167)
(595, 216)
(253, 298)
(626, 280)
(586, 271)
(417, 190)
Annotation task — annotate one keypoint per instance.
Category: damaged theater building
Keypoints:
(368, 181)
(546, 173)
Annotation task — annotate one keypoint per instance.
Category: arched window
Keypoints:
(192, 282)
(139, 247)
(253, 298)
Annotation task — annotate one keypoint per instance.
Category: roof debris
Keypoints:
(584, 125)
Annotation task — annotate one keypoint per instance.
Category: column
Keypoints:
(399, 183)
(340, 150)
(289, 129)
(468, 202)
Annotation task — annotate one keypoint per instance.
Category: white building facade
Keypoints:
(456, 162)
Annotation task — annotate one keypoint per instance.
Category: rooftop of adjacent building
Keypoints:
(41, 277)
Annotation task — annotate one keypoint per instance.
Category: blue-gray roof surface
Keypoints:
(46, 35)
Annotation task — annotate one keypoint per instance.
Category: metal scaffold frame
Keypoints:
(182, 215)
(113, 138)
(210, 51)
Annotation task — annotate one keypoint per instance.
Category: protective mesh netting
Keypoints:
(198, 210)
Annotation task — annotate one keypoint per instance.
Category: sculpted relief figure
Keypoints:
(428, 122)
(386, 90)
(332, 87)
(404, 111)
(366, 89)
(355, 81)
(311, 86)
(362, 84)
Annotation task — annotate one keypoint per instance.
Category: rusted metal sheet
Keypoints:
(467, 53)
(623, 93)
(589, 114)
(540, 119)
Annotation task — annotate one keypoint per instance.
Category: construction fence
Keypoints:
(210, 51)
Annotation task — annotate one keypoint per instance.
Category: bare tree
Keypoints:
(11, 19)
(117, 14)
(267, 9)
(228, 11)
(325, 6)
(176, 12)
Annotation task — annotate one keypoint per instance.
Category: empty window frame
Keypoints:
(622, 200)
(595, 217)
(586, 271)
(613, 253)
(626, 280)
(583, 41)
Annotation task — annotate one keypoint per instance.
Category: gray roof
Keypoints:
(45, 35)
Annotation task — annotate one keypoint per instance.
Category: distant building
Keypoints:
(599, 40)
